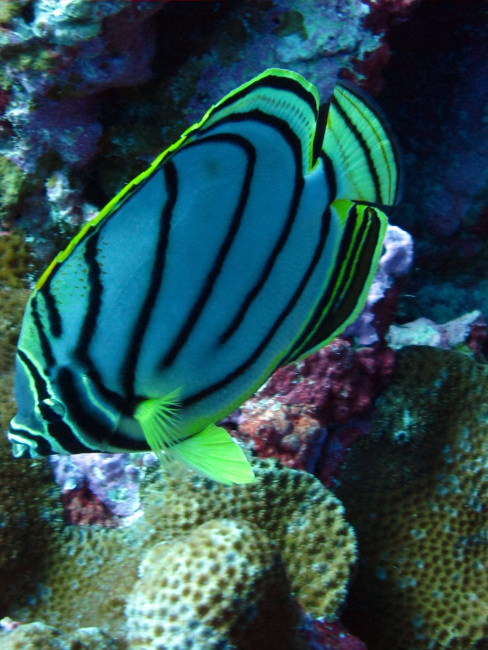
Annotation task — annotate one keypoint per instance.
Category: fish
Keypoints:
(247, 245)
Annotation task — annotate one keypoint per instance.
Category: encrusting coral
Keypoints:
(203, 590)
(38, 636)
(416, 491)
(298, 514)
(30, 508)
(93, 571)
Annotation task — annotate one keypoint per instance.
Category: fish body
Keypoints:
(244, 247)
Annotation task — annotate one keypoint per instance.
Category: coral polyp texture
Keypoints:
(288, 416)
(317, 548)
(301, 524)
(204, 589)
(38, 636)
(416, 491)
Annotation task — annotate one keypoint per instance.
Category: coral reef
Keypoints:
(38, 636)
(288, 417)
(469, 329)
(378, 312)
(31, 517)
(92, 571)
(205, 589)
(416, 491)
(112, 479)
(316, 39)
(15, 265)
(324, 635)
(30, 511)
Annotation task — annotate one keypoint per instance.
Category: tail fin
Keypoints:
(360, 149)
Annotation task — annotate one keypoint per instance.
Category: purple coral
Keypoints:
(113, 478)
(395, 261)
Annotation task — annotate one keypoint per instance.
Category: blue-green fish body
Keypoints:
(244, 247)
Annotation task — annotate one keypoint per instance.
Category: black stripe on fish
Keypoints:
(339, 309)
(378, 113)
(58, 430)
(318, 139)
(132, 356)
(317, 318)
(90, 322)
(364, 146)
(40, 383)
(225, 247)
(330, 177)
(94, 301)
(363, 266)
(77, 410)
(43, 448)
(43, 338)
(293, 141)
(52, 310)
(319, 249)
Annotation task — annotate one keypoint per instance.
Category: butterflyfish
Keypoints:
(247, 245)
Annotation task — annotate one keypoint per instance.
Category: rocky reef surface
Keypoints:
(370, 528)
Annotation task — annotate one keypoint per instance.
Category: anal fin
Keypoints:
(211, 452)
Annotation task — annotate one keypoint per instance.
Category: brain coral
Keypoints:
(201, 589)
(416, 491)
(94, 571)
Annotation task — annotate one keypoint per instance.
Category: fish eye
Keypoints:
(51, 410)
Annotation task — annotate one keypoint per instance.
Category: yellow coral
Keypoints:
(92, 573)
(198, 591)
(416, 491)
(15, 263)
(303, 518)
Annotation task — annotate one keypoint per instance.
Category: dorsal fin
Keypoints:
(281, 94)
(363, 153)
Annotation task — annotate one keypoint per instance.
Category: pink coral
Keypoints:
(287, 418)
(332, 636)
(339, 381)
(83, 508)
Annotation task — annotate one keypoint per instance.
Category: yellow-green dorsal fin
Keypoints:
(213, 453)
(364, 155)
(280, 96)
